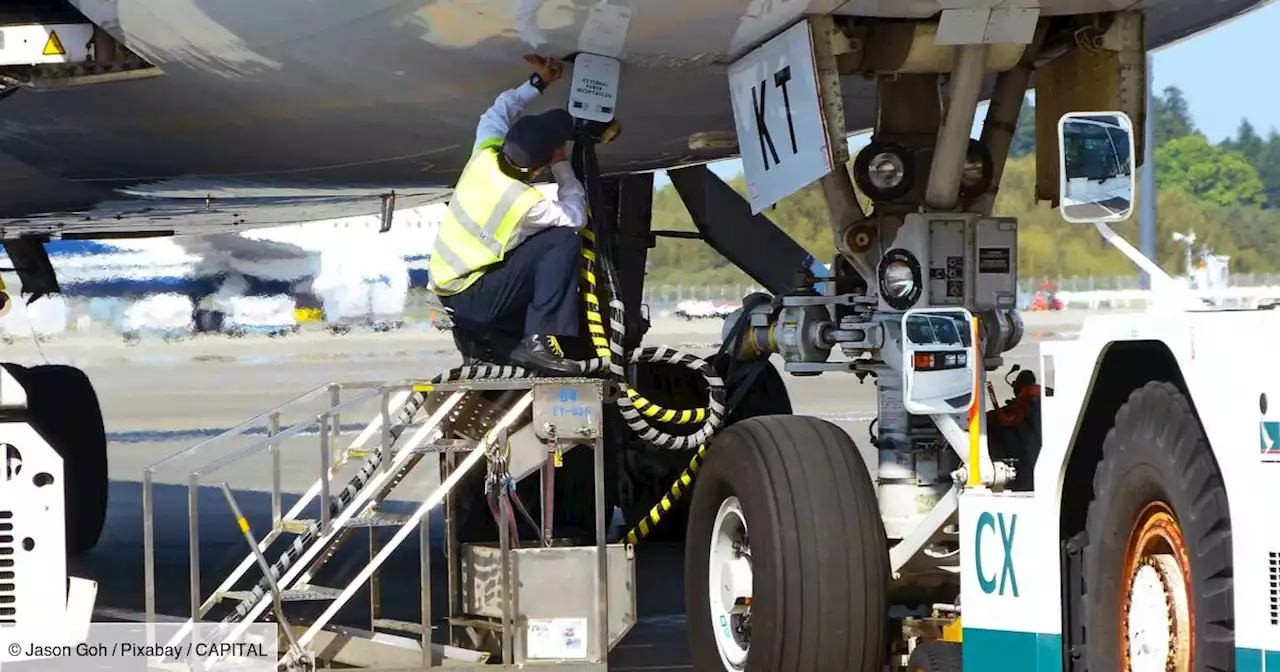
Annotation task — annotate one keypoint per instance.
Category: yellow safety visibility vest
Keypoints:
(480, 224)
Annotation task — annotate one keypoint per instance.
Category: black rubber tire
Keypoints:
(63, 408)
(937, 657)
(768, 396)
(1157, 451)
(819, 555)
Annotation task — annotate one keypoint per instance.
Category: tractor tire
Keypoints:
(1158, 530)
(63, 409)
(817, 562)
(681, 388)
(937, 657)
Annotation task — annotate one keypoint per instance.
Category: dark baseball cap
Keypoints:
(533, 138)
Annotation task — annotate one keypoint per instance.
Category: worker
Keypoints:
(1025, 389)
(506, 260)
(1013, 431)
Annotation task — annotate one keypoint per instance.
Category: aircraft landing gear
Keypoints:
(786, 521)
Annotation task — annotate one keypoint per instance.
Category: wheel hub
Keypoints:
(1156, 617)
(731, 585)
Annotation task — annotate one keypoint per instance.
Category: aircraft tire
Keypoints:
(937, 657)
(63, 408)
(768, 396)
(817, 569)
(1159, 537)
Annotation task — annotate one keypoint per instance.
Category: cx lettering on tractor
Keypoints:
(1101, 520)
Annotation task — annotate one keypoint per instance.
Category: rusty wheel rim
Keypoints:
(1156, 631)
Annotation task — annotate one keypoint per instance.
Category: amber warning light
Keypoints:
(940, 361)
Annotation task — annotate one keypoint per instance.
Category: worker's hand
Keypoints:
(549, 69)
(558, 155)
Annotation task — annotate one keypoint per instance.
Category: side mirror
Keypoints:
(938, 359)
(1095, 167)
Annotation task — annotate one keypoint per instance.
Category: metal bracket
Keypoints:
(839, 300)
(753, 243)
(388, 211)
(31, 263)
(927, 529)
(993, 474)
(814, 368)
(568, 411)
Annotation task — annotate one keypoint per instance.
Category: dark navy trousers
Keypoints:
(534, 290)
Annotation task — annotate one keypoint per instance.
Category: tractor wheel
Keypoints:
(937, 657)
(786, 563)
(63, 409)
(1157, 564)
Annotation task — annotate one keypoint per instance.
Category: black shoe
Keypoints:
(543, 354)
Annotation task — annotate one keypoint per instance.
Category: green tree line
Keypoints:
(1228, 193)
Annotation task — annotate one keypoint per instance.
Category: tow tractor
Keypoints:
(1109, 536)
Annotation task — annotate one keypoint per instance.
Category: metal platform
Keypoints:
(554, 605)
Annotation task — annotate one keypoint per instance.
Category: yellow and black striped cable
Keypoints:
(679, 487)
(600, 339)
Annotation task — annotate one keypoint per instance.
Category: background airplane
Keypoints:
(342, 272)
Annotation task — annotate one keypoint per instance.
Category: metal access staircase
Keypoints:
(462, 428)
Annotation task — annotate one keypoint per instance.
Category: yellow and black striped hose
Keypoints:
(678, 488)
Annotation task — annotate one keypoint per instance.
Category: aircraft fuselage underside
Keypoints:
(331, 105)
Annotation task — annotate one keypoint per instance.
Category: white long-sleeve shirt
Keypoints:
(569, 207)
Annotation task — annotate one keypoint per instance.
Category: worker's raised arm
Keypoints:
(568, 208)
(497, 120)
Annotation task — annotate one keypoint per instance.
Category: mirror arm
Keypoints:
(956, 436)
(1163, 283)
(1134, 255)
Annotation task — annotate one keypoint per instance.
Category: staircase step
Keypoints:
(377, 519)
(440, 446)
(296, 594)
(396, 625)
(366, 519)
(296, 526)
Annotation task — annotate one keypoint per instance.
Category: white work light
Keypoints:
(884, 171)
(900, 279)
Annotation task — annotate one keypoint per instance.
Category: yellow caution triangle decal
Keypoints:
(53, 47)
